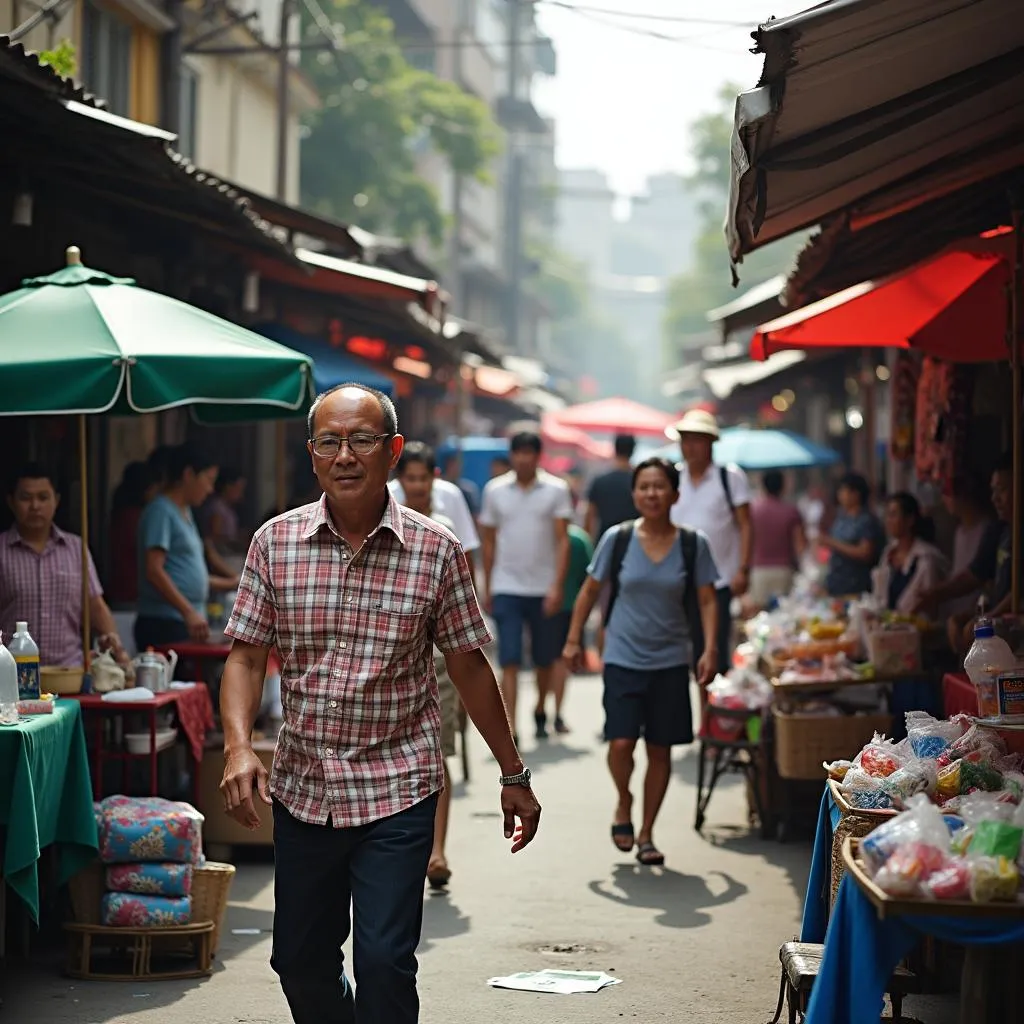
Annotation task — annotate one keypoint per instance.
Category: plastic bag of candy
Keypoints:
(952, 881)
(880, 757)
(922, 823)
(947, 783)
(996, 839)
(975, 744)
(836, 769)
(981, 775)
(993, 878)
(864, 791)
(913, 777)
(928, 736)
(908, 867)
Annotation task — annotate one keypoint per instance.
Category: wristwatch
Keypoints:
(522, 779)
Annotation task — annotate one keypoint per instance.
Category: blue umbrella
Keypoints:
(770, 449)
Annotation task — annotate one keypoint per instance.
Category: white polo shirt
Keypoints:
(704, 506)
(447, 500)
(524, 521)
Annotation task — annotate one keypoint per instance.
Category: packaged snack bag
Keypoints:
(993, 878)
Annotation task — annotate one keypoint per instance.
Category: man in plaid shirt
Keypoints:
(353, 591)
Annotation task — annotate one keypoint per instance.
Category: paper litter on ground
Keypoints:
(563, 983)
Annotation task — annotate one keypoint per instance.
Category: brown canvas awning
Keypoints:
(864, 100)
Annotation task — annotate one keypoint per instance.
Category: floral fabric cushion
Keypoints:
(128, 910)
(144, 829)
(151, 879)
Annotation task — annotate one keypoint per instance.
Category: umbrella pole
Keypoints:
(1016, 282)
(83, 474)
(280, 484)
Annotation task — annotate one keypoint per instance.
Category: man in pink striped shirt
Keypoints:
(41, 575)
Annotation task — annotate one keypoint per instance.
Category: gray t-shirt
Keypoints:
(648, 628)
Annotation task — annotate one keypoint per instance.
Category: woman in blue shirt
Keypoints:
(855, 540)
(648, 645)
(174, 583)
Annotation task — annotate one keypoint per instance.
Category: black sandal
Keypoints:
(623, 831)
(649, 855)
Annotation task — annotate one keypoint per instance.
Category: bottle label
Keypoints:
(28, 676)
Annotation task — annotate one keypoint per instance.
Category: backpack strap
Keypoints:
(623, 535)
(723, 475)
(688, 542)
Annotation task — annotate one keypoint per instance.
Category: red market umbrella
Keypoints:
(559, 436)
(952, 307)
(615, 416)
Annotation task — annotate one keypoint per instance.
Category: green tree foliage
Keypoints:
(377, 115)
(62, 58)
(709, 283)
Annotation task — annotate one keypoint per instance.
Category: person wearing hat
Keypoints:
(715, 500)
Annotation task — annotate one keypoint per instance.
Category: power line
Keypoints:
(641, 16)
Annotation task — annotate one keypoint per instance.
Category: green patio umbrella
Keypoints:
(82, 342)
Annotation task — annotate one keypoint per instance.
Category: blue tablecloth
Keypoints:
(819, 883)
(861, 953)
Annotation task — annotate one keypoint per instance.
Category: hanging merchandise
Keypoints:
(905, 378)
(943, 420)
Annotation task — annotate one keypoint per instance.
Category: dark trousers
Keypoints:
(367, 880)
(154, 631)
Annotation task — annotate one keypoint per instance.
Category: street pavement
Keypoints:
(696, 940)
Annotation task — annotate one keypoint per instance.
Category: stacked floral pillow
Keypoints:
(150, 847)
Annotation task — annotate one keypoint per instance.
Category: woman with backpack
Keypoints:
(658, 584)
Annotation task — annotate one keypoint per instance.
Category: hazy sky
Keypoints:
(623, 98)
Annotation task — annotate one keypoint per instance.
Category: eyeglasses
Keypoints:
(358, 444)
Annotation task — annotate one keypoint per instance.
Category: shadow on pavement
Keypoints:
(442, 919)
(682, 899)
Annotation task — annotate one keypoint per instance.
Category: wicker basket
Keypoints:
(849, 825)
(211, 885)
(802, 742)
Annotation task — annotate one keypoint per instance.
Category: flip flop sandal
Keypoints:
(649, 855)
(620, 832)
(439, 878)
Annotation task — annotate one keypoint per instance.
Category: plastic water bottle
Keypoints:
(26, 656)
(988, 657)
(8, 686)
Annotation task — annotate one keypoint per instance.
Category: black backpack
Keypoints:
(688, 543)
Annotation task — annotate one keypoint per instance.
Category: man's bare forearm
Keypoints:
(474, 679)
(241, 693)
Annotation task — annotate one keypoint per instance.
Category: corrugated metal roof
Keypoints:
(24, 63)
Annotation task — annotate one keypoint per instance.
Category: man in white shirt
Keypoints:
(525, 526)
(716, 500)
(447, 500)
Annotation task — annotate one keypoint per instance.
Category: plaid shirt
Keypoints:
(355, 631)
(45, 589)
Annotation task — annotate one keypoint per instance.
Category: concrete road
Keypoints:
(696, 940)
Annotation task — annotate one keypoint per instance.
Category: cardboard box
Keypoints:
(218, 828)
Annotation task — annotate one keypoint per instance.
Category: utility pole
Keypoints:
(283, 103)
(513, 181)
(463, 396)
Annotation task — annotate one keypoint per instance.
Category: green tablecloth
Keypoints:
(45, 798)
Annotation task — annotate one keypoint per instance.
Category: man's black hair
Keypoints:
(625, 445)
(31, 471)
(526, 441)
(416, 452)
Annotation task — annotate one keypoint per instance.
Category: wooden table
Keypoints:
(195, 716)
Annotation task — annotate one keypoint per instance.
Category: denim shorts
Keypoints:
(511, 613)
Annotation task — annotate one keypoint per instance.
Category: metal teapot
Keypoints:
(155, 671)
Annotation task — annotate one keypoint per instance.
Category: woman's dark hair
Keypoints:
(910, 508)
(655, 462)
(187, 456)
(418, 452)
(135, 481)
(856, 483)
(774, 483)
